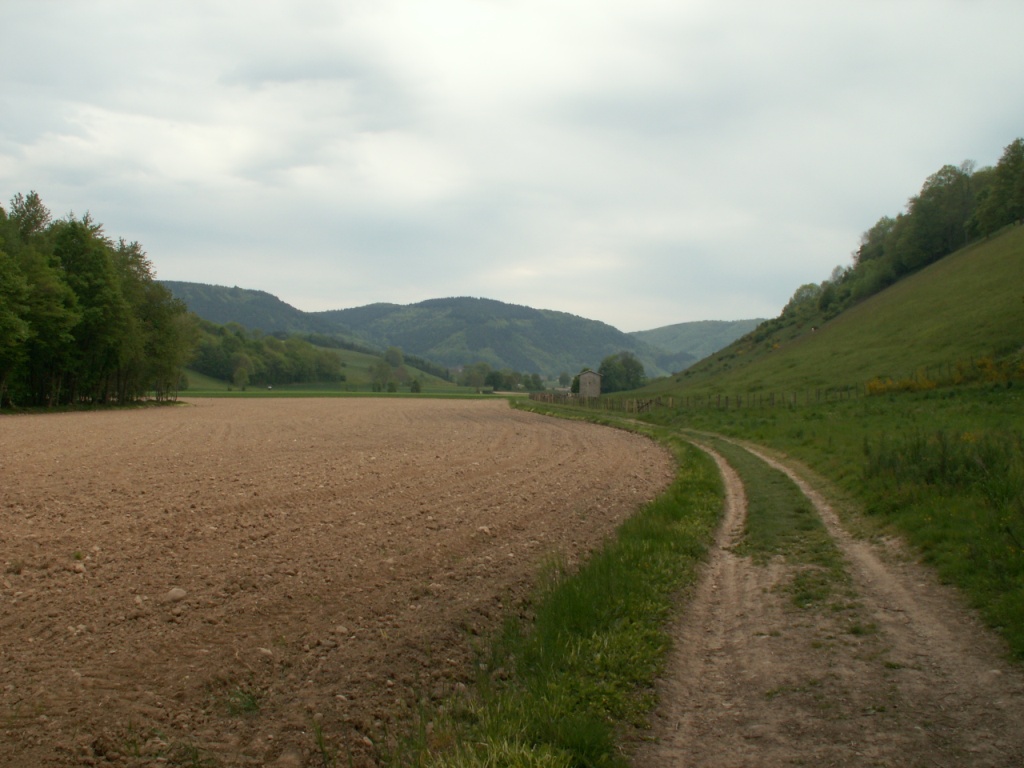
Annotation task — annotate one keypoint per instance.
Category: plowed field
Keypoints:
(218, 582)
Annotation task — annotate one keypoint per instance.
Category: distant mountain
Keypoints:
(252, 309)
(686, 343)
(458, 331)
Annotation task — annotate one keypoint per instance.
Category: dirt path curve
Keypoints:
(901, 675)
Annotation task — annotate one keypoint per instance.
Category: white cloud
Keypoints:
(641, 163)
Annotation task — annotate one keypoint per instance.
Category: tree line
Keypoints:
(82, 317)
(620, 372)
(481, 374)
(83, 320)
(956, 206)
(232, 353)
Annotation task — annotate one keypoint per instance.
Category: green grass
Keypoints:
(964, 307)
(581, 668)
(201, 382)
(780, 519)
(243, 701)
(959, 497)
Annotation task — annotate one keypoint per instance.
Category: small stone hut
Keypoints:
(590, 384)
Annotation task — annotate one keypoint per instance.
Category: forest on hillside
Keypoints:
(232, 353)
(957, 205)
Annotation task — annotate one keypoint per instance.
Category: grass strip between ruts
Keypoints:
(782, 521)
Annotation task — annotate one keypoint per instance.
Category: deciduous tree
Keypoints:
(1003, 201)
(84, 257)
(29, 215)
(621, 371)
(380, 375)
(14, 326)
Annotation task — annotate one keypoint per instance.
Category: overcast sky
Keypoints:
(637, 162)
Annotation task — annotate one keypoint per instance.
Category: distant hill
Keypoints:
(963, 308)
(249, 308)
(686, 343)
(457, 331)
(460, 331)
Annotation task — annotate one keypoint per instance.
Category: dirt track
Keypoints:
(901, 675)
(209, 584)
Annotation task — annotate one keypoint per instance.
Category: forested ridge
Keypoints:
(957, 205)
(451, 332)
(82, 318)
(457, 331)
(232, 353)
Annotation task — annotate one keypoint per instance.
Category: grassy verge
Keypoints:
(559, 688)
(944, 469)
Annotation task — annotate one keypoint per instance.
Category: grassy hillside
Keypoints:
(933, 457)
(936, 458)
(967, 306)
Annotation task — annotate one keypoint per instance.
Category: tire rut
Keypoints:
(898, 674)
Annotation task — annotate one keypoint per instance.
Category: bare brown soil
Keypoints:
(219, 582)
(898, 673)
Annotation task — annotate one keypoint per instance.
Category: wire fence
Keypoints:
(979, 370)
(720, 401)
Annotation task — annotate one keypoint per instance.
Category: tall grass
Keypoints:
(561, 685)
(960, 498)
(942, 468)
(989, 464)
